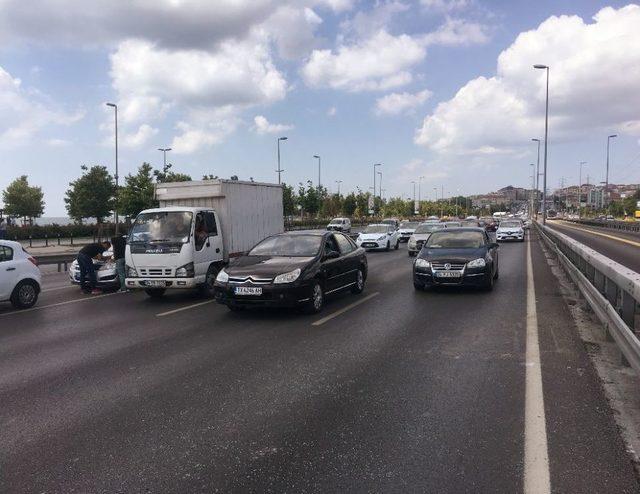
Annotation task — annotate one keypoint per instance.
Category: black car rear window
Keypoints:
(288, 246)
(455, 239)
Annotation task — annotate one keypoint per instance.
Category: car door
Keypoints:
(351, 261)
(393, 236)
(9, 271)
(493, 251)
(332, 267)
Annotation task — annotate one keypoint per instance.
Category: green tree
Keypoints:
(22, 200)
(138, 192)
(288, 200)
(349, 205)
(309, 198)
(166, 175)
(91, 195)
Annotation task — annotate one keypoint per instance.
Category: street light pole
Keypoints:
(606, 187)
(533, 185)
(414, 196)
(582, 163)
(546, 142)
(380, 188)
(373, 208)
(338, 182)
(115, 213)
(537, 181)
(319, 166)
(164, 156)
(280, 170)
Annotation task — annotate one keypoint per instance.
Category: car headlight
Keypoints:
(477, 263)
(289, 277)
(185, 271)
(422, 263)
(223, 276)
(382, 238)
(131, 272)
(106, 266)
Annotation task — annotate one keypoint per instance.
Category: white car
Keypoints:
(20, 278)
(340, 225)
(106, 274)
(379, 237)
(407, 228)
(421, 235)
(510, 230)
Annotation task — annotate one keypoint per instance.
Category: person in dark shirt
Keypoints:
(85, 262)
(119, 245)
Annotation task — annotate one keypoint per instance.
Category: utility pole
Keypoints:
(546, 145)
(115, 213)
(606, 187)
(279, 170)
(380, 173)
(582, 163)
(319, 165)
(338, 182)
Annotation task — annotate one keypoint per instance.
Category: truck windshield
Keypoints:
(288, 246)
(162, 226)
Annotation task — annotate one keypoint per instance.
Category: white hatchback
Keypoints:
(20, 278)
(377, 237)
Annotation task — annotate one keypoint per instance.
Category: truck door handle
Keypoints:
(11, 269)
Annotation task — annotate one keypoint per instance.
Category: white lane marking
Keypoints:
(344, 309)
(192, 306)
(53, 289)
(536, 456)
(88, 297)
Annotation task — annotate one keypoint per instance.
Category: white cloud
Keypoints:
(446, 5)
(204, 128)
(458, 32)
(140, 137)
(594, 80)
(25, 112)
(416, 168)
(57, 143)
(397, 103)
(338, 5)
(381, 62)
(331, 112)
(293, 30)
(365, 22)
(263, 126)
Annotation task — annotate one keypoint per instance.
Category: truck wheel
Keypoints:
(25, 294)
(207, 289)
(317, 299)
(155, 292)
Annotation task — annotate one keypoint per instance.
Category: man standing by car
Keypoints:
(119, 245)
(85, 262)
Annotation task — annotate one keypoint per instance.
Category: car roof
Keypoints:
(12, 244)
(315, 233)
(378, 224)
(463, 229)
(182, 209)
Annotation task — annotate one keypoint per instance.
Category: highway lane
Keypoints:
(622, 247)
(408, 391)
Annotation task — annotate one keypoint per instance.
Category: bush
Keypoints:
(65, 231)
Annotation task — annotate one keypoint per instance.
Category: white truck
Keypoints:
(185, 242)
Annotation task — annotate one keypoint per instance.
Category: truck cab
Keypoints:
(174, 247)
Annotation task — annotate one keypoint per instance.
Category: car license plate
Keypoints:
(369, 244)
(447, 274)
(156, 283)
(248, 290)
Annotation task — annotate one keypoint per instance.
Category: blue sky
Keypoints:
(442, 89)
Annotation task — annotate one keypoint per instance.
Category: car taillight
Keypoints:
(33, 260)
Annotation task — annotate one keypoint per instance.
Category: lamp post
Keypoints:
(115, 213)
(383, 192)
(606, 187)
(164, 155)
(414, 196)
(279, 170)
(582, 163)
(338, 182)
(533, 185)
(420, 190)
(380, 187)
(546, 141)
(373, 207)
(319, 165)
(537, 181)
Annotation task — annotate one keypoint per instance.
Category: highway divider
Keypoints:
(625, 226)
(611, 290)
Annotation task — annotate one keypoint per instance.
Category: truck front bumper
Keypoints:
(145, 283)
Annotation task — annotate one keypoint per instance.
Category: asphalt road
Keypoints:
(405, 392)
(622, 247)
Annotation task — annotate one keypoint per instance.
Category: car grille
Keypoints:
(250, 279)
(150, 272)
(453, 266)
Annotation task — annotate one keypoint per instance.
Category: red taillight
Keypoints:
(33, 260)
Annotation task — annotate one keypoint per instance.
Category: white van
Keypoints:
(340, 225)
(200, 225)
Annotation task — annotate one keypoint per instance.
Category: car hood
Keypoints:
(454, 255)
(407, 230)
(371, 236)
(509, 229)
(420, 236)
(265, 265)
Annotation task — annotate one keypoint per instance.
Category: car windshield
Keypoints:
(376, 229)
(510, 224)
(162, 226)
(428, 228)
(336, 221)
(389, 222)
(452, 239)
(409, 225)
(288, 246)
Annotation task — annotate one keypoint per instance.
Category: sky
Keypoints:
(439, 89)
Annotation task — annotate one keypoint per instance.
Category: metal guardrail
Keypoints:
(627, 226)
(611, 290)
(62, 260)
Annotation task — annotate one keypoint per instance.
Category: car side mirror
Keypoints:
(332, 254)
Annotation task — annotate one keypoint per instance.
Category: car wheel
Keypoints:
(411, 253)
(25, 294)
(155, 292)
(207, 288)
(489, 284)
(388, 246)
(317, 299)
(359, 286)
(497, 275)
(418, 287)
(397, 244)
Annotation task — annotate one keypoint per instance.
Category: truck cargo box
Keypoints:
(248, 211)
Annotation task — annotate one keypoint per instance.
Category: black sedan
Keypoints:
(294, 269)
(457, 257)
